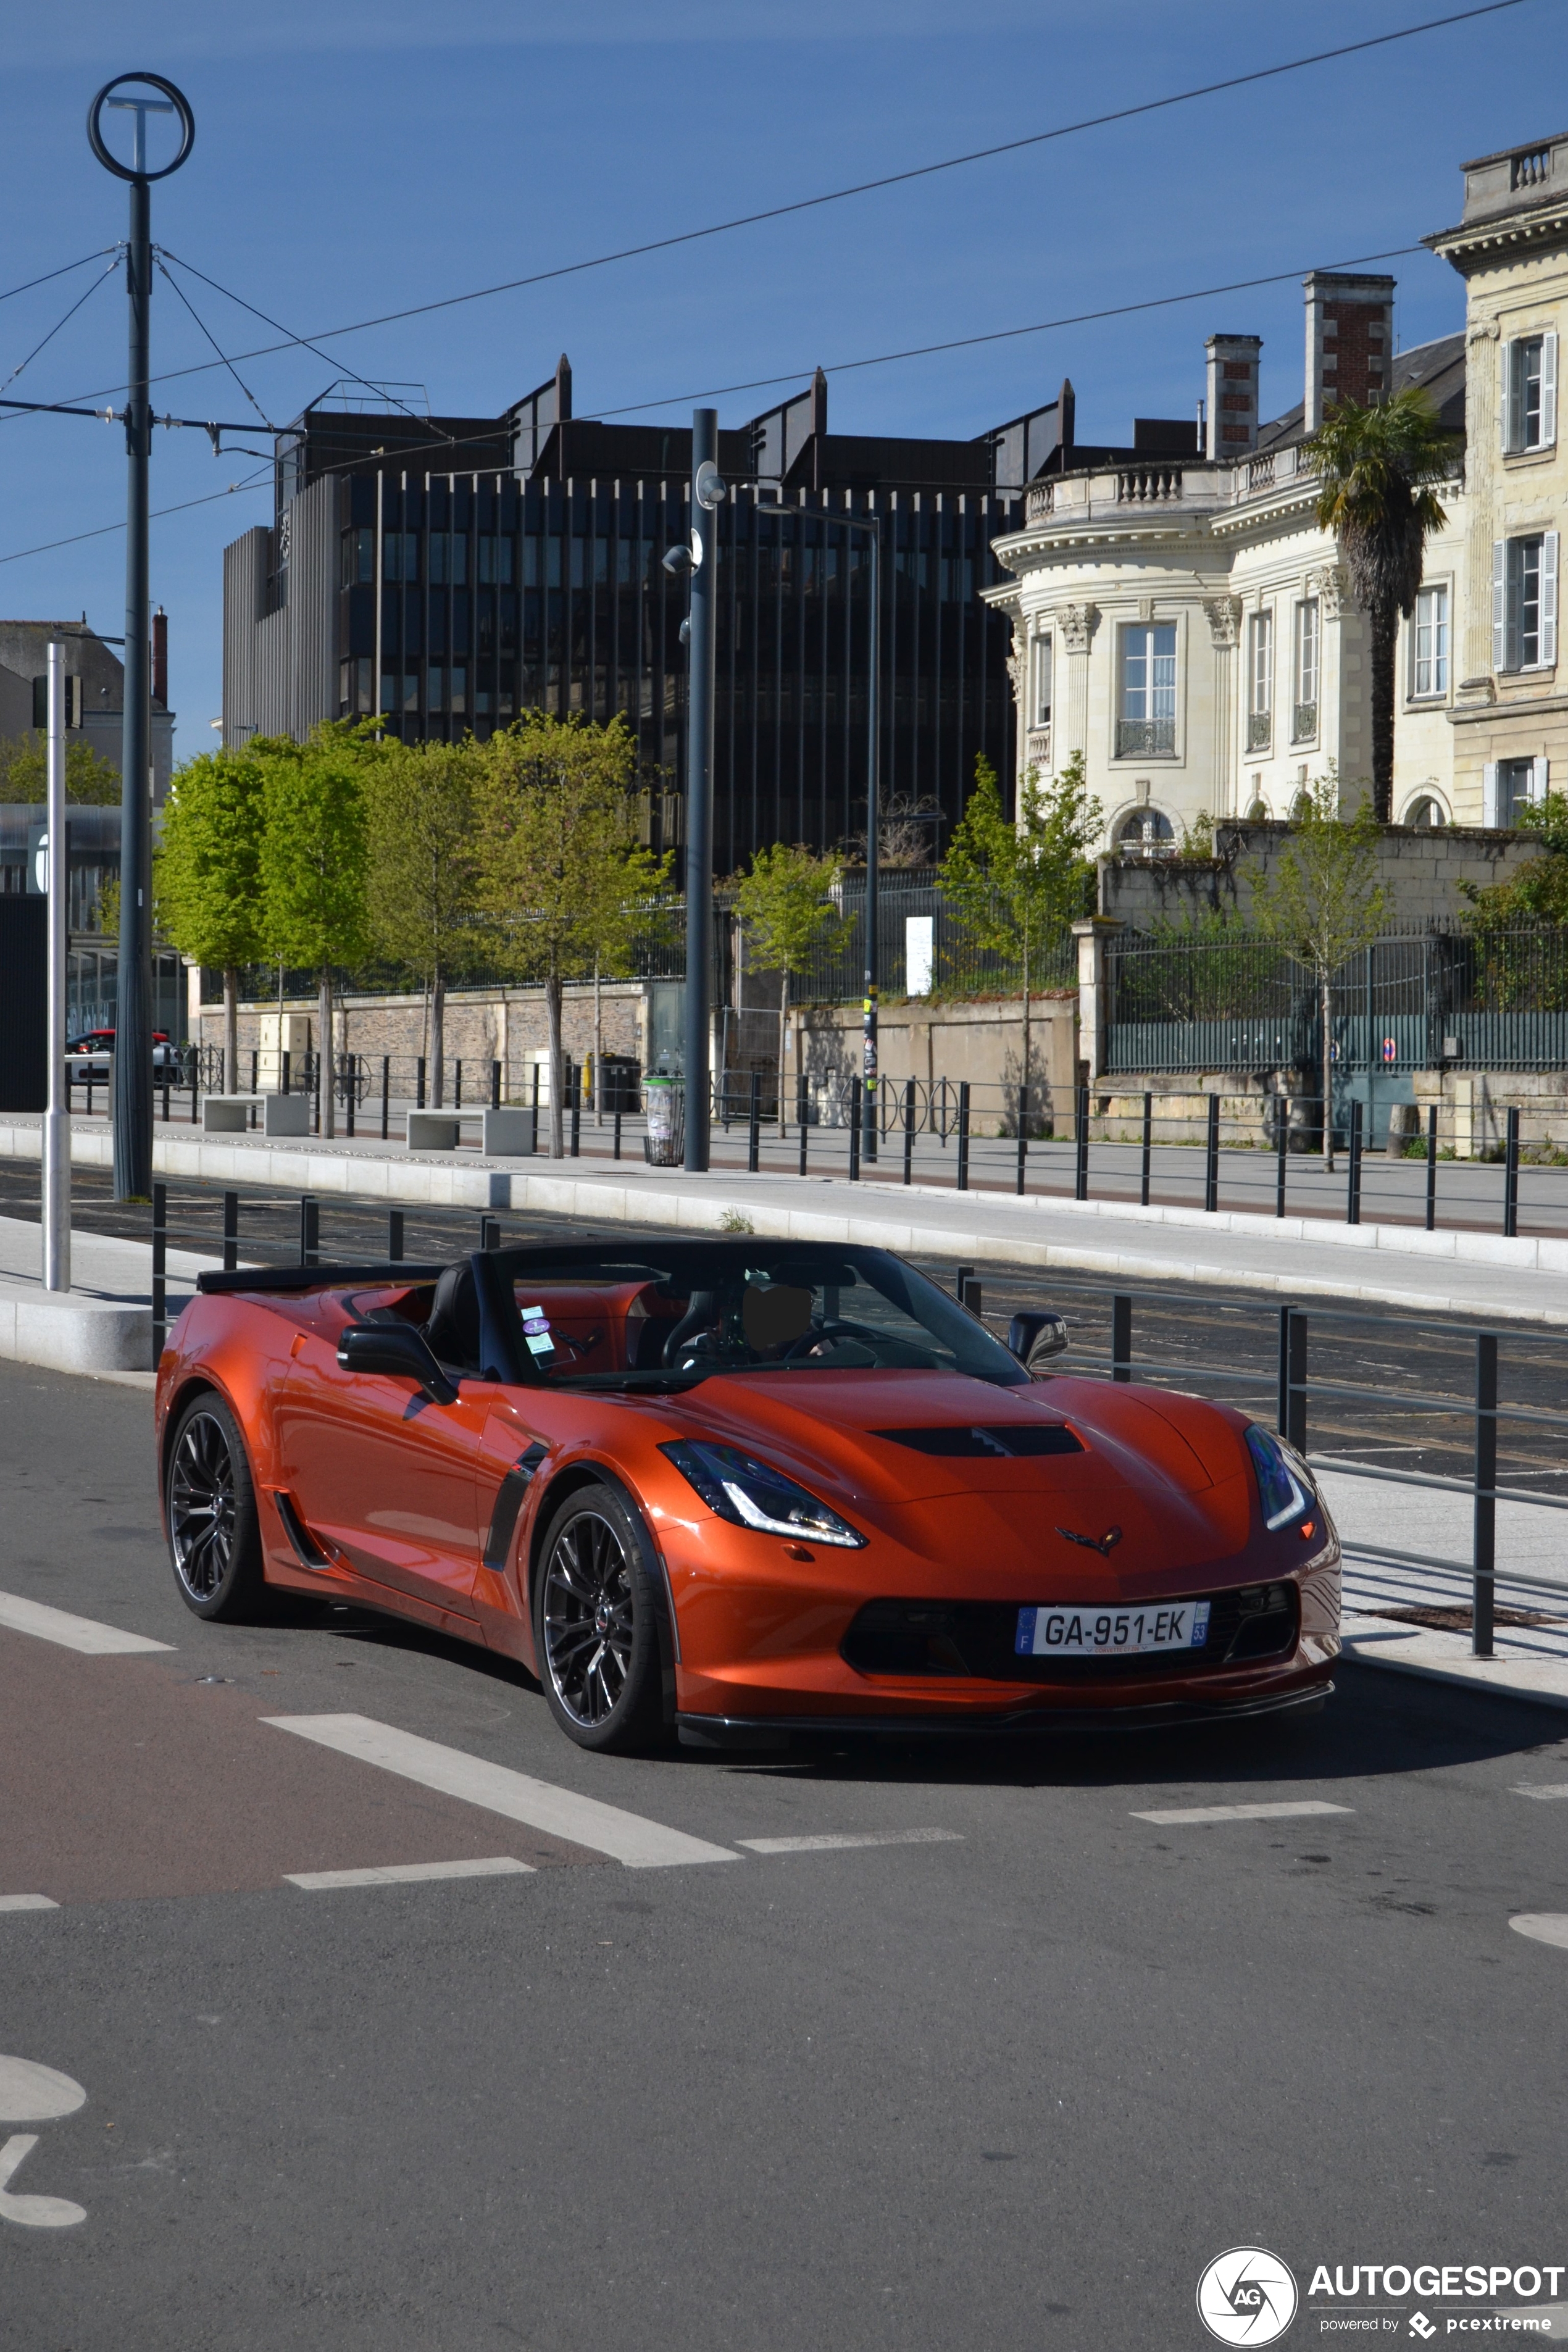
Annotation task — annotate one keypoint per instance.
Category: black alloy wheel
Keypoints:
(215, 1542)
(595, 1623)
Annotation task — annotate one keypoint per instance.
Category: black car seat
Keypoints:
(699, 1316)
(453, 1330)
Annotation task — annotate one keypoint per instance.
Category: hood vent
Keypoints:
(1017, 1441)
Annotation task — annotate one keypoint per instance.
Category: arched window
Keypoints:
(1257, 814)
(1147, 833)
(1425, 812)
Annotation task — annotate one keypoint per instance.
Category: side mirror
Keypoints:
(1034, 1336)
(399, 1351)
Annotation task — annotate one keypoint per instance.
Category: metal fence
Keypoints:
(1473, 1000)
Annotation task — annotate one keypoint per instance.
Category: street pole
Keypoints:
(707, 490)
(873, 813)
(56, 1116)
(133, 978)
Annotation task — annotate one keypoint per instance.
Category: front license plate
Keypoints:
(1111, 1633)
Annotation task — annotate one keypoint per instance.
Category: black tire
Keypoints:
(595, 1624)
(215, 1540)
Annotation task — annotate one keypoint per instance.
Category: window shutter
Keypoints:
(1540, 783)
(1548, 390)
(1500, 603)
(1505, 397)
(1549, 596)
(1491, 816)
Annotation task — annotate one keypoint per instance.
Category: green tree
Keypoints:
(314, 853)
(561, 866)
(424, 873)
(788, 914)
(92, 781)
(1016, 888)
(208, 876)
(1324, 903)
(1376, 466)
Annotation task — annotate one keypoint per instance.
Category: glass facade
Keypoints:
(497, 595)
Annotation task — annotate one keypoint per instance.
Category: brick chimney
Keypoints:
(161, 658)
(1350, 342)
(1231, 394)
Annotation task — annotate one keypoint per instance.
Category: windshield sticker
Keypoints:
(536, 1331)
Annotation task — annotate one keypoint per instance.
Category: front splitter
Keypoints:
(756, 1732)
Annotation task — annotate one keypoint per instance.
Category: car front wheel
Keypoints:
(595, 1623)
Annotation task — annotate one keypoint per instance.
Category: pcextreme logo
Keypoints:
(1247, 2297)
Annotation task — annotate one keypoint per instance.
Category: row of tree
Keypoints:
(520, 853)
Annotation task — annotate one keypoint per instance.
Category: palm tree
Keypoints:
(1376, 466)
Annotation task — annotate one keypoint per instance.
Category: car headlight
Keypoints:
(1285, 1487)
(752, 1494)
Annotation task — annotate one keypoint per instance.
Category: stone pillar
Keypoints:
(1075, 628)
(1093, 1001)
(1224, 635)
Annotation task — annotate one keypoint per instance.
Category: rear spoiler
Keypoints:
(312, 1277)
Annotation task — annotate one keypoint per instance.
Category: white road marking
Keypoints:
(1542, 1789)
(83, 1633)
(27, 1903)
(1543, 1926)
(32, 2212)
(558, 1813)
(403, 1873)
(33, 2093)
(1194, 1813)
(835, 1841)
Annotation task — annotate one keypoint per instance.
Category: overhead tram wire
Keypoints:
(859, 188)
(63, 271)
(254, 482)
(65, 320)
(172, 282)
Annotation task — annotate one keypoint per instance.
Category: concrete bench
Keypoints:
(280, 1114)
(433, 1130)
(511, 1132)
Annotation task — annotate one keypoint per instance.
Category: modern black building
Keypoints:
(452, 572)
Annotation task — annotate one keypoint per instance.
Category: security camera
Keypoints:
(677, 561)
(710, 485)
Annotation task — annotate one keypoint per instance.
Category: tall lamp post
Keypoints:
(700, 562)
(139, 95)
(871, 525)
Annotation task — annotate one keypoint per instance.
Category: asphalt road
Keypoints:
(1011, 2085)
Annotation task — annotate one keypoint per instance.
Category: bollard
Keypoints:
(1146, 1168)
(1120, 1336)
(617, 1149)
(963, 1135)
(353, 1061)
(754, 1124)
(419, 1083)
(1431, 1167)
(854, 1130)
(386, 1093)
(1485, 1537)
(489, 1233)
(576, 1111)
(394, 1236)
(1023, 1146)
(909, 1130)
(1291, 1413)
(799, 1107)
(1080, 1135)
(230, 1232)
(1210, 1157)
(1353, 1170)
(286, 1059)
(255, 1072)
(160, 1268)
(1511, 1175)
(195, 1082)
(1282, 1152)
(495, 1086)
(534, 1130)
(165, 1099)
(457, 1086)
(309, 1229)
(961, 1280)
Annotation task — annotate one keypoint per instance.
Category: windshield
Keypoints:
(696, 1308)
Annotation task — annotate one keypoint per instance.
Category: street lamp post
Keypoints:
(700, 562)
(871, 525)
(134, 94)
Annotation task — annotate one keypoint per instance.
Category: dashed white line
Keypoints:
(83, 1633)
(1543, 1926)
(837, 1842)
(27, 1903)
(1183, 1814)
(1542, 1789)
(559, 1812)
(406, 1873)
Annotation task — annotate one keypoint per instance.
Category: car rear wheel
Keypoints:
(214, 1541)
(596, 1625)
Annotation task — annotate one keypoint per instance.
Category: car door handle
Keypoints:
(509, 1502)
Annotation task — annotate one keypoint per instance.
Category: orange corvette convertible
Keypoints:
(742, 1491)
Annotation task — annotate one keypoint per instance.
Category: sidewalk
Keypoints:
(103, 1324)
(1443, 1272)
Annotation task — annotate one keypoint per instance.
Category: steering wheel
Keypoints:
(837, 1329)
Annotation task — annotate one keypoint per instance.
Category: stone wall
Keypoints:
(981, 1041)
(483, 1025)
(1421, 871)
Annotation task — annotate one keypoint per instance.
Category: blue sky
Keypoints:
(351, 158)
